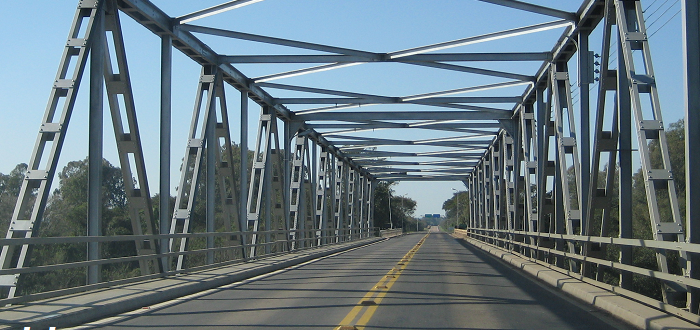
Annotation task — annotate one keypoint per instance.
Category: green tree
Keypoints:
(456, 210)
(402, 208)
(10, 185)
(66, 215)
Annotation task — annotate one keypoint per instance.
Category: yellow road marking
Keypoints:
(370, 302)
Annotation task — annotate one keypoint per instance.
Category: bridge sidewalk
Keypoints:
(88, 306)
(630, 311)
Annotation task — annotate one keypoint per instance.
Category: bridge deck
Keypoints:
(441, 286)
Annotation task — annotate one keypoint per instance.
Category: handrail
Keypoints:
(514, 242)
(312, 238)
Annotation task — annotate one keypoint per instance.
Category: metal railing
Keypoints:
(225, 253)
(544, 252)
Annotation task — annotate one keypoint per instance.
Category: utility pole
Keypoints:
(391, 223)
(457, 197)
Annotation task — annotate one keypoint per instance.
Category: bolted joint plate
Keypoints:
(8, 280)
(669, 228)
(21, 225)
(207, 79)
(635, 36)
(659, 174)
(561, 76)
(64, 84)
(36, 175)
(50, 128)
(651, 125)
(88, 4)
(195, 143)
(182, 214)
(76, 42)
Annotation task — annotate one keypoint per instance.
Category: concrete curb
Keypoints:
(629, 311)
(76, 309)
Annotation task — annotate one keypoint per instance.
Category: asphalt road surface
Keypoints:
(416, 281)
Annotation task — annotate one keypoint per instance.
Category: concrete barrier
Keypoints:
(390, 233)
(632, 312)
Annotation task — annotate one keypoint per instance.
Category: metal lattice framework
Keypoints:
(540, 183)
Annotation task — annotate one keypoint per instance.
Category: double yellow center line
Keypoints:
(369, 303)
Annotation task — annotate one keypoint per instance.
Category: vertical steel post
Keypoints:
(332, 198)
(372, 189)
(243, 172)
(545, 169)
(166, 62)
(691, 81)
(287, 172)
(585, 73)
(369, 203)
(472, 199)
(211, 152)
(94, 222)
(313, 180)
(347, 206)
(624, 107)
(339, 197)
(601, 183)
(321, 196)
(267, 195)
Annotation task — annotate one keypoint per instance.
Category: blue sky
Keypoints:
(33, 36)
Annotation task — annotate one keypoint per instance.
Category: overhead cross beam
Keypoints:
(534, 8)
(214, 10)
(405, 115)
(398, 55)
(432, 100)
(447, 57)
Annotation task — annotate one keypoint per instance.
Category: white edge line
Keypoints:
(114, 319)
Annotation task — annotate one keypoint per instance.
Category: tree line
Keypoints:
(66, 215)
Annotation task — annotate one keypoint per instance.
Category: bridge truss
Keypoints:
(539, 175)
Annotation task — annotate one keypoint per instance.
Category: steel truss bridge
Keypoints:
(534, 163)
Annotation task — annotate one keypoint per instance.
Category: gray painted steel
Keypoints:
(691, 80)
(440, 288)
(327, 154)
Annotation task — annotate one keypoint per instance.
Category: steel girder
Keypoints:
(266, 180)
(691, 80)
(298, 191)
(559, 197)
(339, 196)
(528, 163)
(93, 19)
(517, 158)
(204, 136)
(322, 187)
(659, 183)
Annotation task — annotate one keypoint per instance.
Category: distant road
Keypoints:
(388, 285)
